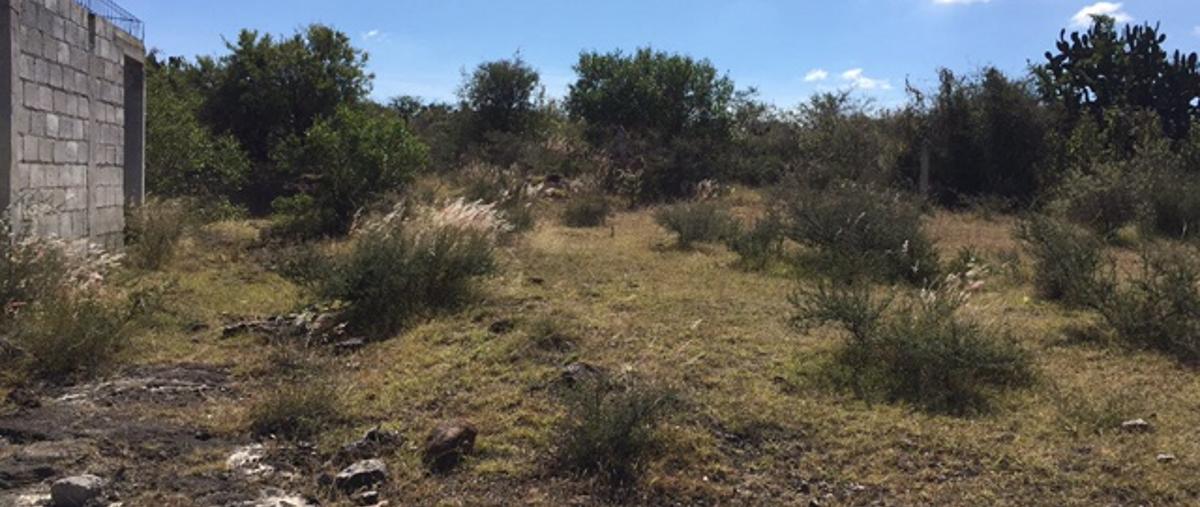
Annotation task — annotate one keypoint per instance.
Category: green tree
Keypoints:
(269, 90)
(348, 160)
(183, 157)
(501, 96)
(667, 115)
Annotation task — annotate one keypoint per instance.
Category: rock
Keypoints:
(372, 443)
(248, 460)
(278, 498)
(351, 345)
(77, 491)
(1136, 426)
(363, 474)
(1165, 458)
(370, 497)
(448, 443)
(577, 372)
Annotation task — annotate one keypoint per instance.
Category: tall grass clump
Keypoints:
(609, 430)
(589, 210)
(504, 189)
(916, 349)
(1066, 259)
(57, 311)
(1159, 306)
(858, 231)
(696, 222)
(402, 265)
(758, 244)
(153, 231)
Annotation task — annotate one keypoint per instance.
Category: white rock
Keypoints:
(1165, 458)
(1136, 425)
(248, 460)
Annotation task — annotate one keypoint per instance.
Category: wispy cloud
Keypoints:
(375, 34)
(1115, 10)
(960, 2)
(816, 75)
(858, 79)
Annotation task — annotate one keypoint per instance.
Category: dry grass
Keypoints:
(759, 425)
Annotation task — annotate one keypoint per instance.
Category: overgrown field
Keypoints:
(752, 410)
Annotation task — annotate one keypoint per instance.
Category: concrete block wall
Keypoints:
(66, 170)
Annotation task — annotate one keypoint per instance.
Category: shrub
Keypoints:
(1159, 308)
(858, 231)
(398, 268)
(693, 222)
(72, 333)
(153, 230)
(759, 244)
(609, 428)
(1105, 199)
(921, 352)
(1066, 259)
(1174, 204)
(547, 334)
(295, 410)
(586, 211)
(350, 159)
(31, 269)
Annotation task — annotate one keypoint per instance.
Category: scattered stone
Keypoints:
(502, 326)
(77, 491)
(1165, 458)
(363, 474)
(577, 372)
(373, 443)
(370, 497)
(315, 325)
(537, 280)
(278, 498)
(1137, 426)
(448, 443)
(248, 460)
(351, 345)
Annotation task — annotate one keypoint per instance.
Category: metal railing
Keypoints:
(116, 15)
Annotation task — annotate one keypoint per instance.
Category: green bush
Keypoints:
(1105, 200)
(1066, 259)
(1159, 308)
(351, 159)
(858, 231)
(920, 352)
(1174, 204)
(396, 270)
(153, 231)
(295, 410)
(694, 222)
(759, 244)
(586, 211)
(609, 428)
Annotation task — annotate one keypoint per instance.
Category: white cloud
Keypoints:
(960, 2)
(372, 35)
(858, 79)
(1083, 18)
(816, 75)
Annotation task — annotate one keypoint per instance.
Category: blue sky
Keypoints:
(786, 49)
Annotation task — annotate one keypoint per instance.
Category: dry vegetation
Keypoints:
(756, 420)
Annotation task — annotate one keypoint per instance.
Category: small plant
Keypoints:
(586, 211)
(858, 231)
(696, 222)
(1104, 200)
(153, 231)
(547, 334)
(72, 334)
(921, 351)
(1066, 259)
(609, 428)
(398, 268)
(1159, 308)
(759, 244)
(295, 411)
(1174, 205)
